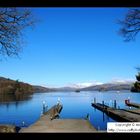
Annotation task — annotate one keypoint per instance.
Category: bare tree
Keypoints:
(130, 25)
(12, 23)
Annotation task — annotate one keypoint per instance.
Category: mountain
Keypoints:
(98, 86)
(84, 85)
(14, 86)
(65, 89)
(77, 86)
(41, 89)
(109, 86)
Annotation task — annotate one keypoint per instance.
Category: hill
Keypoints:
(109, 87)
(14, 86)
(41, 89)
(8, 86)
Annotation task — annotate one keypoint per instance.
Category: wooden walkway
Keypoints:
(135, 111)
(60, 125)
(118, 114)
(49, 123)
(53, 112)
(133, 105)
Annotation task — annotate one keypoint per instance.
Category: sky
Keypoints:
(74, 45)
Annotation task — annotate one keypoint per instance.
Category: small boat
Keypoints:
(77, 90)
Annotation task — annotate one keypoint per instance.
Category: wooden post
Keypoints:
(103, 103)
(44, 107)
(88, 117)
(115, 104)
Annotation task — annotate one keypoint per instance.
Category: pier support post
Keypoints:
(103, 103)
(88, 117)
(44, 107)
(115, 104)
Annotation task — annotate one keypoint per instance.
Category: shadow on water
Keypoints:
(6, 98)
(10, 105)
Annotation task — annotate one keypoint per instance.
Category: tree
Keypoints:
(130, 29)
(12, 23)
(136, 86)
(130, 25)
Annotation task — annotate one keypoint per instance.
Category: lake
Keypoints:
(75, 105)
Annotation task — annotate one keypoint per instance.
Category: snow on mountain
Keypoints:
(74, 86)
(121, 81)
(83, 85)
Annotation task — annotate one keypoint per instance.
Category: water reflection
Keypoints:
(14, 98)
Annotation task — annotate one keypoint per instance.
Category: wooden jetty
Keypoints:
(135, 111)
(48, 122)
(53, 112)
(60, 125)
(133, 104)
(118, 114)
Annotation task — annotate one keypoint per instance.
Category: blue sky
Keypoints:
(74, 45)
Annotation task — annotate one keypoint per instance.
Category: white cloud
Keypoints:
(84, 84)
(121, 80)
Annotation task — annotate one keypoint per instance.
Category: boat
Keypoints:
(77, 90)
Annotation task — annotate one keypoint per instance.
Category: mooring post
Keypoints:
(88, 117)
(115, 104)
(103, 103)
(44, 106)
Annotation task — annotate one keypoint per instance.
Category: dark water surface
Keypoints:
(16, 110)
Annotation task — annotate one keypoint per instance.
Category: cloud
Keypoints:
(121, 80)
(84, 84)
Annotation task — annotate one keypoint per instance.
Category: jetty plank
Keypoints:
(133, 104)
(53, 112)
(49, 123)
(118, 114)
(135, 111)
(60, 125)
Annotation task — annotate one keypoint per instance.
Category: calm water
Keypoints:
(75, 105)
